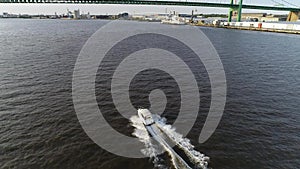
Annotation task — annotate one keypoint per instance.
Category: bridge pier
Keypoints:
(230, 11)
(293, 16)
(238, 9)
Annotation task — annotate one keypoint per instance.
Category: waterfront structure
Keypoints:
(263, 17)
(274, 18)
(76, 14)
(262, 26)
(293, 16)
(7, 15)
(174, 19)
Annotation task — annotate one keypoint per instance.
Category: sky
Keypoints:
(132, 9)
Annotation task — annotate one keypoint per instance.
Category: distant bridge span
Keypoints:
(171, 3)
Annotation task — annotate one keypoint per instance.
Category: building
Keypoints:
(138, 17)
(76, 14)
(124, 15)
(253, 16)
(7, 15)
(85, 16)
(273, 18)
(263, 17)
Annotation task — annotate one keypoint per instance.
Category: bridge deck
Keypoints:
(147, 2)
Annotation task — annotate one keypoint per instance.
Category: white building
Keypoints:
(76, 14)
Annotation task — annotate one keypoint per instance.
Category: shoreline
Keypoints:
(257, 29)
(264, 30)
(253, 29)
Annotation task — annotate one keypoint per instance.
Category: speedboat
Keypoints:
(146, 116)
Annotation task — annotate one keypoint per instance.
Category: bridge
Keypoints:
(293, 15)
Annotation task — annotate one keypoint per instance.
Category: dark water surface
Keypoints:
(260, 127)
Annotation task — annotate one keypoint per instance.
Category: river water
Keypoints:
(39, 127)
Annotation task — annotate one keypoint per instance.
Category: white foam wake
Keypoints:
(199, 159)
(150, 149)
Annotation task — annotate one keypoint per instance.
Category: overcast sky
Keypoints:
(115, 9)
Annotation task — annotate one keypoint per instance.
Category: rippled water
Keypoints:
(39, 128)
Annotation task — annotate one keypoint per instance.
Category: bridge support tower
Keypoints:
(238, 9)
(293, 16)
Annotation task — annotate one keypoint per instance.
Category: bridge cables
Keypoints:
(290, 3)
(277, 3)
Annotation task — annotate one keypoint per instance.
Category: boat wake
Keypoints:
(152, 150)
